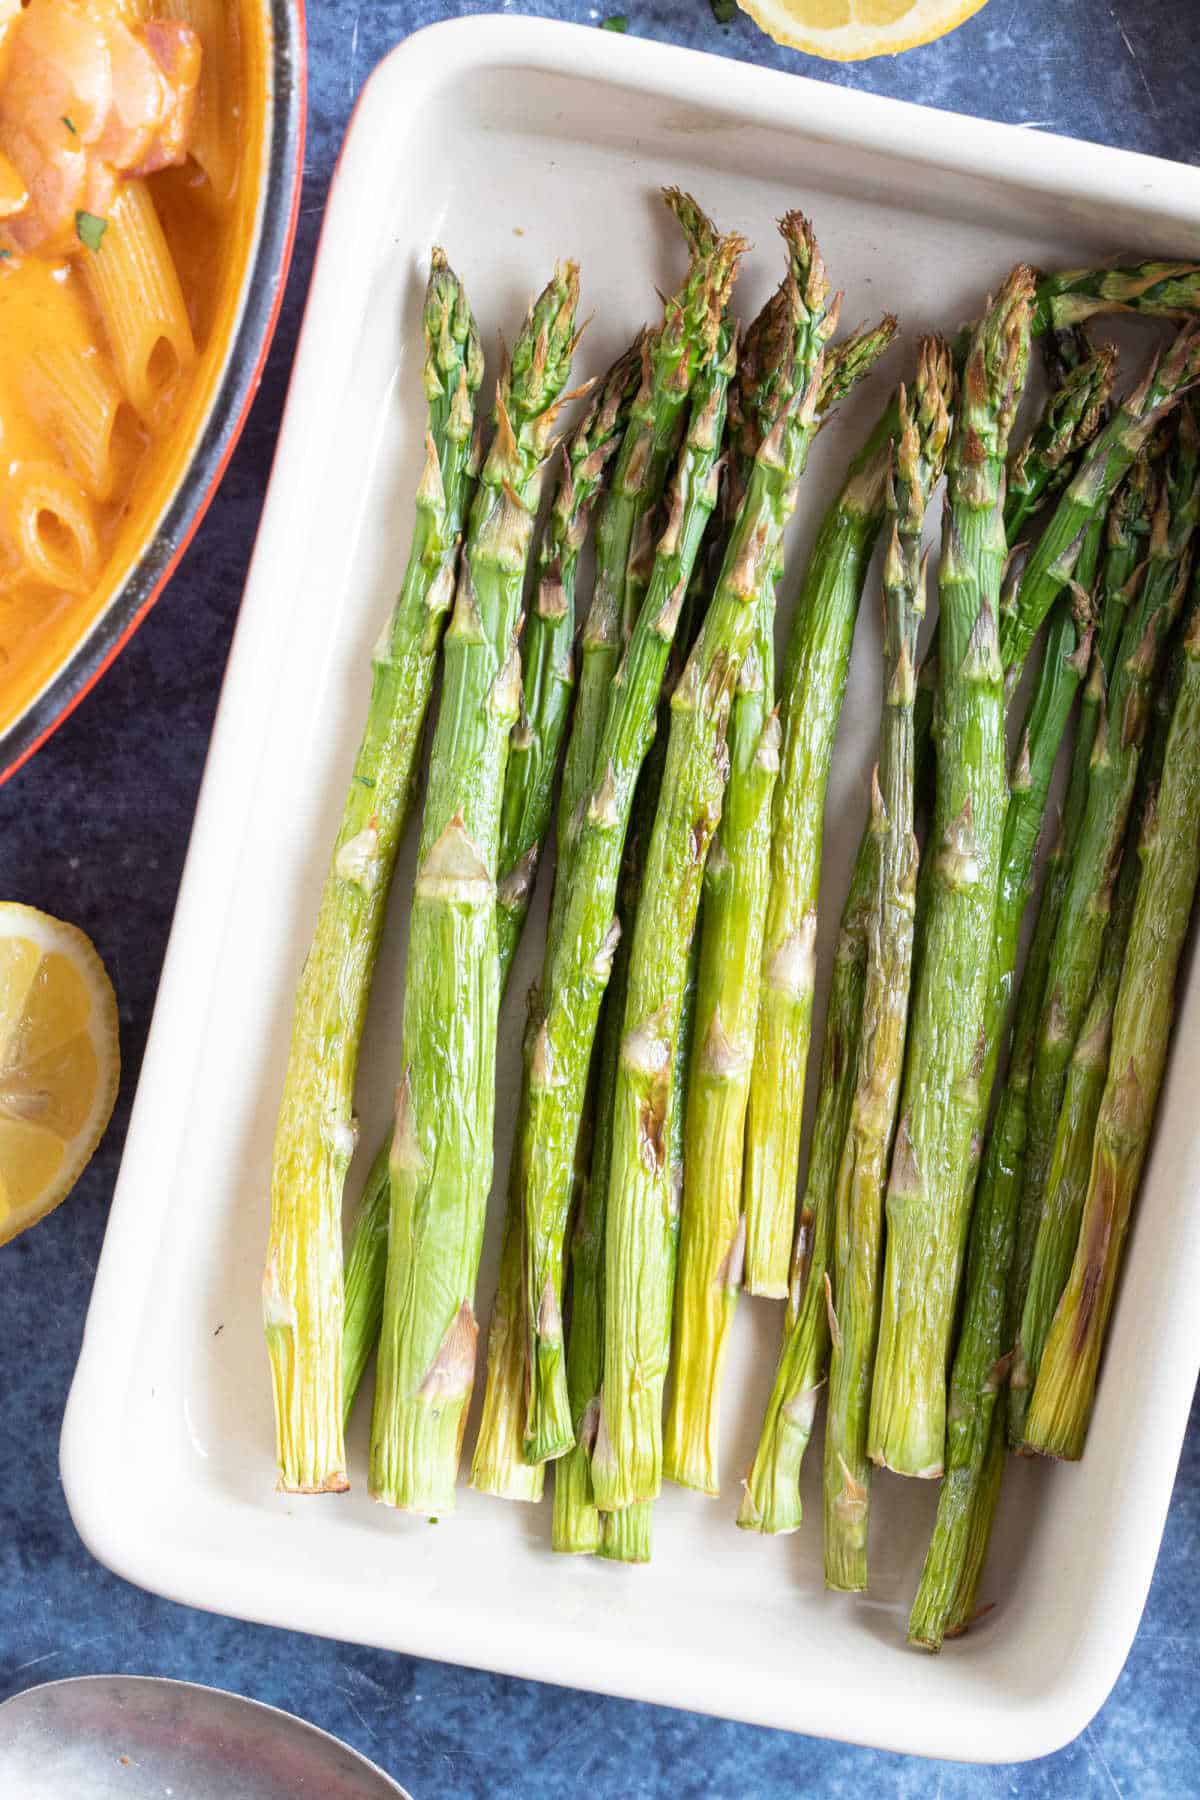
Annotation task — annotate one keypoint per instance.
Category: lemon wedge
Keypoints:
(850, 30)
(60, 1061)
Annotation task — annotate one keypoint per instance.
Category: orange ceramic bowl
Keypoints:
(202, 440)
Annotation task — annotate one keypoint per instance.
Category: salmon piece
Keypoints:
(60, 67)
(176, 49)
(139, 101)
(56, 186)
(84, 99)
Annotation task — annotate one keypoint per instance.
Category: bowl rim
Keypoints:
(264, 283)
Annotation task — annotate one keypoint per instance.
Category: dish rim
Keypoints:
(434, 57)
(263, 284)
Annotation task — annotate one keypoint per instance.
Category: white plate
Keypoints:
(510, 142)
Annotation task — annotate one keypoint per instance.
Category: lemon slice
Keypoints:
(849, 30)
(60, 1061)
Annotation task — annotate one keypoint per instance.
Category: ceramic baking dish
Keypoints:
(511, 142)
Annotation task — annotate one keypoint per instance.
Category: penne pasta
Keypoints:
(48, 528)
(133, 282)
(48, 532)
(77, 404)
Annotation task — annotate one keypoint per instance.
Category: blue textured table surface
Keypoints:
(95, 829)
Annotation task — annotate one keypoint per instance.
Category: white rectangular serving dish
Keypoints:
(510, 142)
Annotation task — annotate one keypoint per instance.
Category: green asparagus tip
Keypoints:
(1176, 372)
(692, 319)
(594, 441)
(806, 265)
(998, 359)
(1165, 289)
(777, 344)
(541, 356)
(694, 222)
(761, 365)
(846, 363)
(1095, 377)
(929, 406)
(453, 352)
(1072, 417)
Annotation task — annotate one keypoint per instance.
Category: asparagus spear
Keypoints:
(314, 1136)
(736, 884)
(965, 1609)
(1064, 665)
(626, 1535)
(976, 1433)
(1058, 1231)
(498, 1466)
(1124, 537)
(547, 685)
(1125, 533)
(980, 1369)
(583, 930)
(729, 937)
(853, 357)
(772, 1496)
(852, 1284)
(1070, 420)
(578, 1527)
(1087, 495)
(1162, 290)
(670, 360)
(771, 1500)
(1061, 1406)
(1071, 1157)
(1010, 1131)
(547, 659)
(810, 700)
(366, 1268)
(441, 1160)
(533, 753)
(945, 1602)
(713, 1232)
(926, 1201)
(1065, 662)
(945, 1605)
(627, 1460)
(1083, 920)
(1046, 463)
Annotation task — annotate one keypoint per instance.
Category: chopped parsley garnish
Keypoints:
(723, 10)
(90, 229)
(615, 22)
(69, 126)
